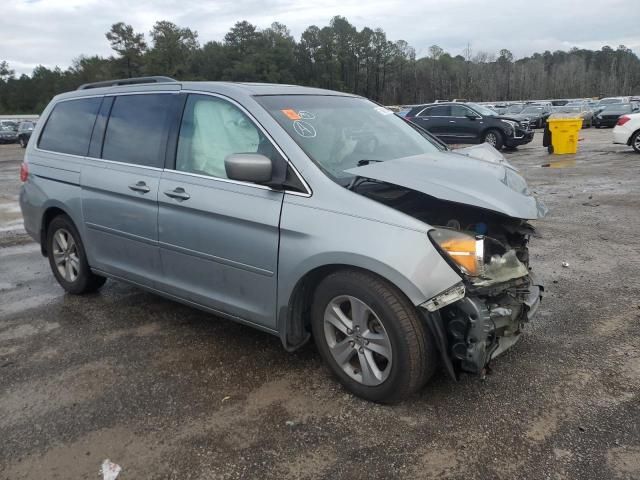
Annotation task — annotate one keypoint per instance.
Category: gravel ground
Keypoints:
(166, 391)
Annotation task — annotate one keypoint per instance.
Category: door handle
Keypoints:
(178, 193)
(140, 187)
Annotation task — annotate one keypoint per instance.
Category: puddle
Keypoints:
(569, 162)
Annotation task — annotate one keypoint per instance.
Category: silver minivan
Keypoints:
(299, 211)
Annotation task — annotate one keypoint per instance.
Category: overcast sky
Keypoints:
(54, 32)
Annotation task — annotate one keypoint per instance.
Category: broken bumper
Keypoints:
(483, 324)
(522, 137)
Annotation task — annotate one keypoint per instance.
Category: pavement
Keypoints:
(166, 391)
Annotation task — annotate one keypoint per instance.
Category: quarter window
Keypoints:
(211, 130)
(137, 129)
(68, 128)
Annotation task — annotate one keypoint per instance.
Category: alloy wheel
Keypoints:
(491, 139)
(636, 143)
(65, 255)
(357, 340)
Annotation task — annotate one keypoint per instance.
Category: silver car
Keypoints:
(299, 211)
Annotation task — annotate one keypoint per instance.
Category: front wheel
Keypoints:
(371, 336)
(68, 259)
(23, 142)
(494, 138)
(635, 141)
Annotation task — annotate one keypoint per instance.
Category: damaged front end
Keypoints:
(480, 228)
(483, 316)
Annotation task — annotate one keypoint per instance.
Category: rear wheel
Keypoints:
(371, 336)
(635, 141)
(68, 259)
(494, 138)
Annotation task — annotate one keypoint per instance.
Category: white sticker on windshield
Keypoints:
(383, 111)
(306, 115)
(304, 129)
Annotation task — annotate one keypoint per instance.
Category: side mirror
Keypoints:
(471, 117)
(248, 167)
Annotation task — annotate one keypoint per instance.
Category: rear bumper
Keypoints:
(30, 213)
(621, 135)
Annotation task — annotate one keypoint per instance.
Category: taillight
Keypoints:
(622, 120)
(24, 171)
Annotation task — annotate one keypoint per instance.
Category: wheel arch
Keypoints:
(294, 319)
(488, 128)
(51, 211)
(634, 133)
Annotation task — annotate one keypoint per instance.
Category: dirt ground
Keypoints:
(166, 391)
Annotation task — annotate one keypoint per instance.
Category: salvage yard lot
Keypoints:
(166, 391)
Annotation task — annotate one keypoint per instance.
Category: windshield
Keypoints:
(338, 132)
(533, 110)
(482, 110)
(514, 108)
(617, 109)
(609, 101)
(569, 109)
(9, 125)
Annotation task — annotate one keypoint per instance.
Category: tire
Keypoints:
(23, 142)
(391, 324)
(499, 141)
(635, 141)
(69, 265)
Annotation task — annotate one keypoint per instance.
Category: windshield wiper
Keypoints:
(362, 163)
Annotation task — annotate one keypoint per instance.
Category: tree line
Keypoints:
(337, 57)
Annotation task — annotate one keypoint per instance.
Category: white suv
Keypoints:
(627, 131)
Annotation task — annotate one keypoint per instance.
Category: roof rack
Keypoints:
(126, 81)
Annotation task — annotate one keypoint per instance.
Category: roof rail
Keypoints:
(126, 81)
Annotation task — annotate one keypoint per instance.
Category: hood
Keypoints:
(484, 151)
(516, 117)
(457, 177)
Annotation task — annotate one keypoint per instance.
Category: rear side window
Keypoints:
(437, 111)
(137, 129)
(68, 128)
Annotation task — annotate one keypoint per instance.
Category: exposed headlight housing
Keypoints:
(464, 250)
(482, 260)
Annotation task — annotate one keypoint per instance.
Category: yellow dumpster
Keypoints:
(564, 133)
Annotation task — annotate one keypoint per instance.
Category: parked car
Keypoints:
(559, 102)
(294, 210)
(582, 111)
(602, 103)
(8, 132)
(536, 115)
(514, 109)
(24, 133)
(609, 115)
(471, 123)
(627, 131)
